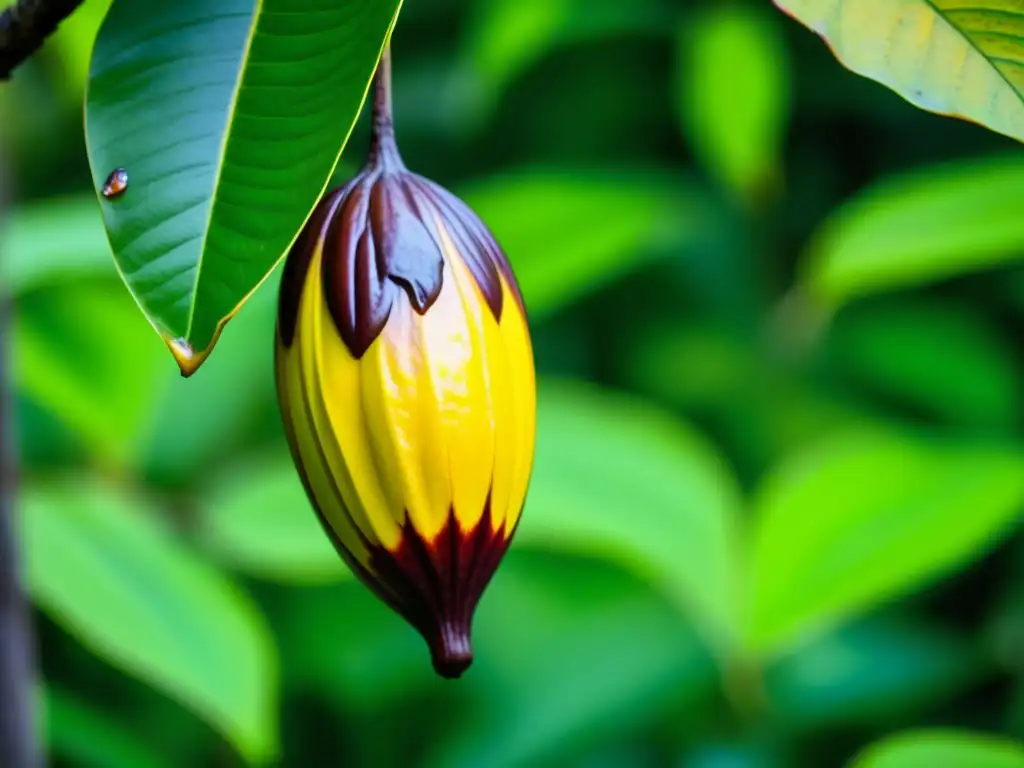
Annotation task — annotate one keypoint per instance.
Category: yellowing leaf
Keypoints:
(954, 57)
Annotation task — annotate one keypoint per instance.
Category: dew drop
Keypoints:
(182, 347)
(184, 355)
(116, 183)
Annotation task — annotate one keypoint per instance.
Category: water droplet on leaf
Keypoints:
(116, 183)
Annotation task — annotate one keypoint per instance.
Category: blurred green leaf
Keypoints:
(506, 38)
(936, 356)
(872, 671)
(52, 241)
(920, 227)
(954, 58)
(860, 519)
(257, 519)
(83, 352)
(200, 423)
(619, 479)
(931, 748)
(570, 653)
(570, 233)
(89, 738)
(73, 43)
(733, 94)
(101, 565)
(183, 96)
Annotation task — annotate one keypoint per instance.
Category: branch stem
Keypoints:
(25, 26)
(383, 148)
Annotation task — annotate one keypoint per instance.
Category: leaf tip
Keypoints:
(187, 358)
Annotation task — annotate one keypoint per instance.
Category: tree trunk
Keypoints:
(18, 748)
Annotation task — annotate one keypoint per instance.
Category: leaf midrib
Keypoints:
(974, 46)
(218, 174)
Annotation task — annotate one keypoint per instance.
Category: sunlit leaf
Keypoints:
(602, 656)
(733, 94)
(938, 223)
(83, 352)
(860, 519)
(79, 733)
(36, 250)
(616, 478)
(228, 118)
(936, 357)
(258, 519)
(955, 57)
(100, 564)
(871, 671)
(570, 233)
(929, 748)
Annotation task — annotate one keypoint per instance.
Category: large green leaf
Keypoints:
(618, 479)
(866, 516)
(930, 748)
(956, 57)
(101, 565)
(937, 223)
(733, 95)
(570, 233)
(228, 118)
(258, 519)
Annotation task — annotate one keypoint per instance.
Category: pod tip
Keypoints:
(453, 653)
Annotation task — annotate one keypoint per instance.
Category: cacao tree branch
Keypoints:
(18, 747)
(25, 26)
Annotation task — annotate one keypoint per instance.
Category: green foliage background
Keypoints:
(780, 474)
